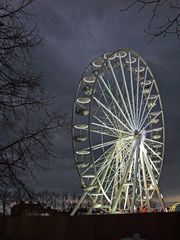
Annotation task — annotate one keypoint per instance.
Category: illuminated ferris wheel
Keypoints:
(118, 134)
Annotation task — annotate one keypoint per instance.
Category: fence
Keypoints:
(150, 226)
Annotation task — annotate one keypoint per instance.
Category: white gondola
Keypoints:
(156, 161)
(80, 138)
(89, 188)
(97, 205)
(81, 164)
(151, 187)
(153, 96)
(133, 60)
(82, 111)
(110, 56)
(156, 137)
(121, 53)
(87, 90)
(151, 100)
(158, 153)
(157, 145)
(89, 79)
(81, 126)
(83, 100)
(83, 152)
(139, 69)
(157, 129)
(151, 104)
(128, 183)
(98, 62)
(146, 91)
(155, 153)
(156, 113)
(88, 176)
(154, 121)
(147, 87)
(146, 83)
(96, 194)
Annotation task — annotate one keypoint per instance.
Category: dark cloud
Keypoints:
(76, 32)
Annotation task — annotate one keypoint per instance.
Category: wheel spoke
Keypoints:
(152, 119)
(153, 179)
(122, 123)
(155, 168)
(117, 171)
(154, 141)
(154, 130)
(130, 159)
(112, 156)
(126, 88)
(104, 144)
(115, 101)
(144, 176)
(121, 95)
(153, 151)
(110, 128)
(132, 89)
(107, 103)
(98, 159)
(140, 185)
(137, 94)
(103, 133)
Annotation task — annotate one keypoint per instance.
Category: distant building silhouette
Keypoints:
(32, 209)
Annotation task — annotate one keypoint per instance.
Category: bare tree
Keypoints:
(164, 16)
(49, 199)
(26, 122)
(63, 202)
(5, 198)
(43, 198)
(9, 195)
(55, 201)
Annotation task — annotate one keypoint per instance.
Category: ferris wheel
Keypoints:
(118, 134)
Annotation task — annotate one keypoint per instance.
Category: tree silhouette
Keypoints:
(10, 195)
(26, 122)
(5, 198)
(164, 16)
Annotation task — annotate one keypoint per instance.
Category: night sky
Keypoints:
(77, 31)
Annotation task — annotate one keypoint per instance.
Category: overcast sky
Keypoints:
(77, 31)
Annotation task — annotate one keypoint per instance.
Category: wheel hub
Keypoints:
(136, 133)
